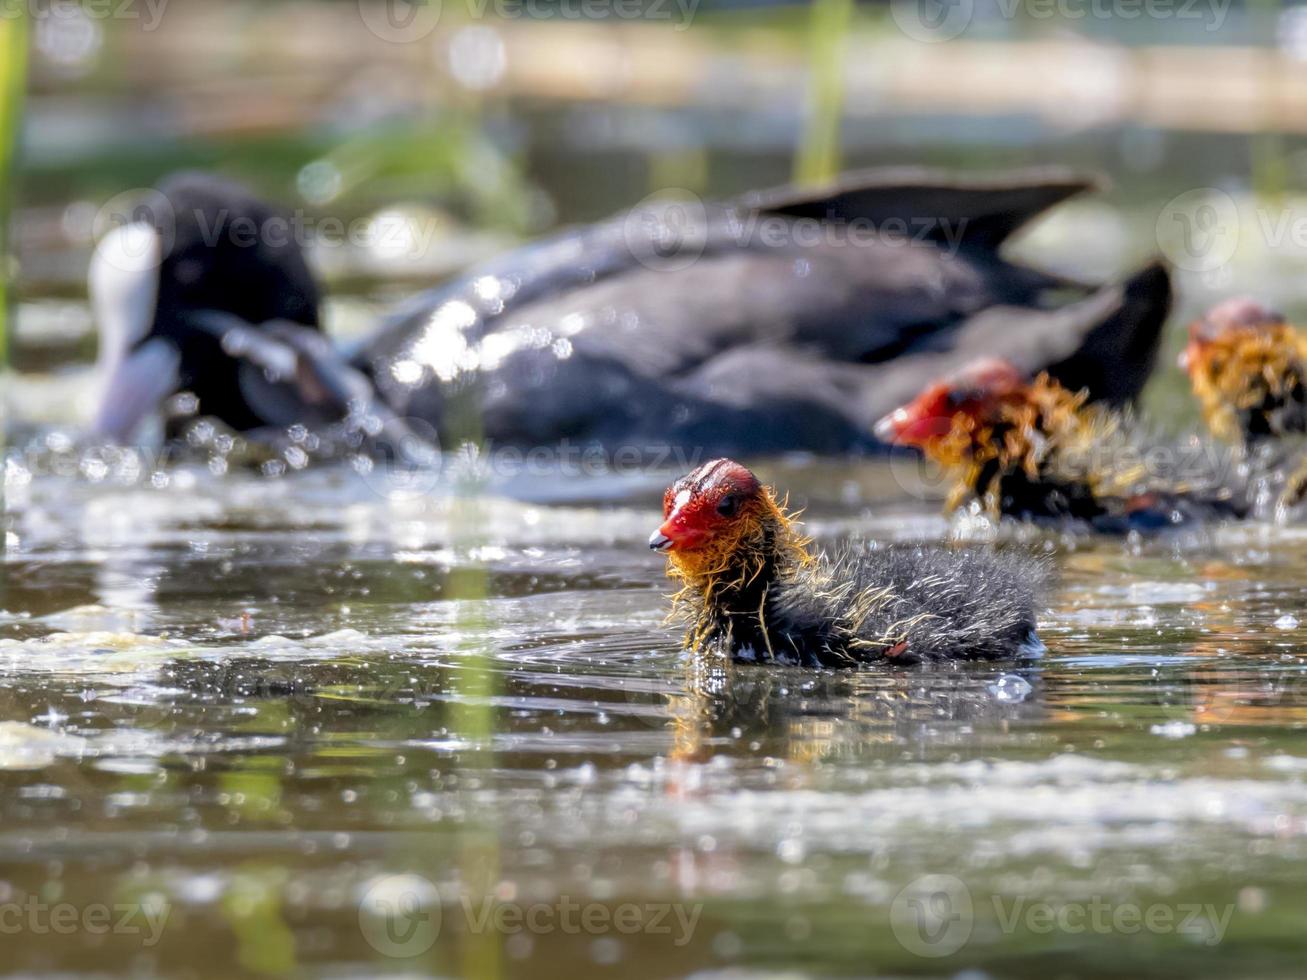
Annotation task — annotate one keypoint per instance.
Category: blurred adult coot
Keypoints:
(781, 320)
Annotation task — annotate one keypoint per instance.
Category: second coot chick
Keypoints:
(754, 587)
(1036, 451)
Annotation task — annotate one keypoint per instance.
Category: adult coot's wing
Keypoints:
(981, 210)
(929, 210)
(769, 398)
(1105, 342)
(648, 298)
(1104, 339)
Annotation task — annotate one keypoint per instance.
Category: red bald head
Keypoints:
(700, 506)
(975, 391)
(1241, 314)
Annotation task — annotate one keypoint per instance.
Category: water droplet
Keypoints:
(606, 950)
(1174, 729)
(1010, 687)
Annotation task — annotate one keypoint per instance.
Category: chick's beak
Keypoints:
(1191, 355)
(676, 534)
(888, 428)
(911, 425)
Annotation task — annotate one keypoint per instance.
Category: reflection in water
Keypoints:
(863, 716)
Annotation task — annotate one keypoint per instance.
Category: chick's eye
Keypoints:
(728, 505)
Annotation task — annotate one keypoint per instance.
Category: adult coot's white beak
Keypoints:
(136, 372)
(134, 389)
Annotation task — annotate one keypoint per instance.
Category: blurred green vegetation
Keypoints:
(818, 155)
(13, 76)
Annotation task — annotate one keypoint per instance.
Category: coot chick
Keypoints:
(1034, 450)
(754, 588)
(1248, 369)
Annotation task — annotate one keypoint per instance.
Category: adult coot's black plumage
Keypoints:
(754, 587)
(777, 321)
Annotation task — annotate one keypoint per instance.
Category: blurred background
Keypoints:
(458, 128)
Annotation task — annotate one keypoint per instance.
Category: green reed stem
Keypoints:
(13, 85)
(473, 711)
(1268, 153)
(818, 157)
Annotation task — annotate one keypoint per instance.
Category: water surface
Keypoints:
(256, 708)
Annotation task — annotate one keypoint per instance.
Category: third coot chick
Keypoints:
(1248, 369)
(754, 587)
